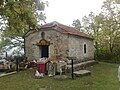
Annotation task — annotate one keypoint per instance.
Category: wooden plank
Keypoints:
(5, 74)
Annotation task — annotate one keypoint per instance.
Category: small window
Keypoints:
(84, 48)
(43, 35)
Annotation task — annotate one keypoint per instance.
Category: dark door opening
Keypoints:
(44, 51)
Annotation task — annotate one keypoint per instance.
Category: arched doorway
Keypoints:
(44, 48)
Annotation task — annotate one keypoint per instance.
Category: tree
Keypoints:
(77, 24)
(17, 17)
(92, 25)
(111, 11)
(105, 29)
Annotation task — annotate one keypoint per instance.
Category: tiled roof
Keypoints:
(65, 29)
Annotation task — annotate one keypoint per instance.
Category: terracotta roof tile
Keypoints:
(66, 29)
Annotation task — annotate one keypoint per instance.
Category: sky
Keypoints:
(66, 11)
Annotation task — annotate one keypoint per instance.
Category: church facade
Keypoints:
(58, 39)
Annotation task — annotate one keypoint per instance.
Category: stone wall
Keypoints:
(76, 48)
(30, 47)
(58, 44)
(64, 44)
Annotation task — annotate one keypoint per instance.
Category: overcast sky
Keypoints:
(65, 11)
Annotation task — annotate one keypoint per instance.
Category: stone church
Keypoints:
(58, 39)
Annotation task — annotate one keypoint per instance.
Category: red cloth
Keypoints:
(41, 67)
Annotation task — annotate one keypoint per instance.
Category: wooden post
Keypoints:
(72, 70)
(6, 56)
(17, 64)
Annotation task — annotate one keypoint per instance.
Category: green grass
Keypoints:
(103, 77)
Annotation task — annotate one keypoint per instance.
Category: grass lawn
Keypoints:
(103, 77)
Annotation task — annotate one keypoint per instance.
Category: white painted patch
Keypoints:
(119, 73)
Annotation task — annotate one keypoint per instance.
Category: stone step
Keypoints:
(82, 73)
(81, 65)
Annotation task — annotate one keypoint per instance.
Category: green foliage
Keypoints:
(105, 29)
(111, 31)
(18, 17)
(18, 14)
(77, 24)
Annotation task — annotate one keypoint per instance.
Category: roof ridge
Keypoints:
(66, 29)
